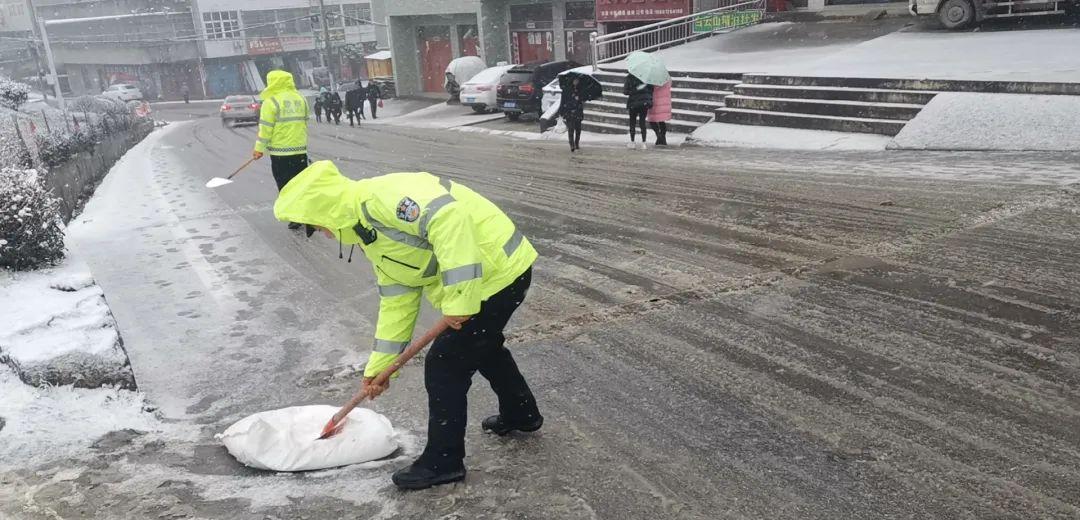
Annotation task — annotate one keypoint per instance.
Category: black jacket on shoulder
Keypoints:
(638, 94)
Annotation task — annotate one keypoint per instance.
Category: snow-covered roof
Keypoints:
(381, 55)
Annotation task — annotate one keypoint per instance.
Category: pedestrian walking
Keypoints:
(334, 108)
(402, 221)
(660, 112)
(354, 103)
(184, 91)
(282, 129)
(318, 108)
(572, 110)
(374, 96)
(639, 98)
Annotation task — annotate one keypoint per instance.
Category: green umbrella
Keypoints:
(648, 68)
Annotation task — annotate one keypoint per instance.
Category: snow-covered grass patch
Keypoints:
(749, 136)
(59, 330)
(1013, 122)
(53, 423)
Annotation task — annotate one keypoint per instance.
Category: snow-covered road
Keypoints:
(737, 333)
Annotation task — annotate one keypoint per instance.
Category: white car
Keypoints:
(552, 95)
(123, 92)
(479, 92)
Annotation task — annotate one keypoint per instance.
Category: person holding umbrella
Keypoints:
(578, 88)
(644, 72)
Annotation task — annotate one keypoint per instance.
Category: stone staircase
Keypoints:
(695, 97)
(838, 104)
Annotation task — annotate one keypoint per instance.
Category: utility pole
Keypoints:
(52, 64)
(326, 36)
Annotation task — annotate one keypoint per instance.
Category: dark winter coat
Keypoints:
(571, 106)
(354, 99)
(373, 91)
(335, 102)
(638, 94)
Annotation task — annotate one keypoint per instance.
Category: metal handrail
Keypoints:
(616, 45)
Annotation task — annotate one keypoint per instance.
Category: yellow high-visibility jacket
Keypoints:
(421, 233)
(283, 117)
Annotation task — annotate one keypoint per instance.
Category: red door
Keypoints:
(435, 55)
(532, 46)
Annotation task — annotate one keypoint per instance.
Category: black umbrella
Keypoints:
(590, 88)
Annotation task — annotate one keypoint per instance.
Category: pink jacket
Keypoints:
(661, 104)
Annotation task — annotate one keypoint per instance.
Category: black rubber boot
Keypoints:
(416, 476)
(495, 424)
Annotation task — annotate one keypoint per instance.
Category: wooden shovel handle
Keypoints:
(242, 166)
(414, 348)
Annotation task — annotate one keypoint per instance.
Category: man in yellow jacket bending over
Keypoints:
(432, 236)
(282, 129)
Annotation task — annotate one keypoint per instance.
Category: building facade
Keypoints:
(210, 48)
(426, 34)
(242, 40)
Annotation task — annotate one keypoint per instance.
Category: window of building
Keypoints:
(580, 10)
(530, 13)
(259, 24)
(356, 11)
(222, 24)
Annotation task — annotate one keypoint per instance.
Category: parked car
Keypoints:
(123, 92)
(479, 92)
(520, 90)
(237, 109)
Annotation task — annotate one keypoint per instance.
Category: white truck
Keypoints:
(959, 14)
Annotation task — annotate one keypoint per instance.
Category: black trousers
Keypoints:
(448, 369)
(358, 114)
(285, 167)
(374, 105)
(573, 130)
(637, 118)
(660, 129)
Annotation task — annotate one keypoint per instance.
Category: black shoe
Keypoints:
(294, 225)
(416, 476)
(495, 424)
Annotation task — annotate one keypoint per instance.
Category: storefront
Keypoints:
(532, 38)
(579, 22)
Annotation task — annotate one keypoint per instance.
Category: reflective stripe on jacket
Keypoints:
(422, 234)
(282, 118)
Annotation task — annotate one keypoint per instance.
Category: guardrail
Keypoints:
(731, 14)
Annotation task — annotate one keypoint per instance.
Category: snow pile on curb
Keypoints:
(60, 330)
(53, 423)
(982, 122)
(749, 136)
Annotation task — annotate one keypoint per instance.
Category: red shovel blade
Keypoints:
(331, 429)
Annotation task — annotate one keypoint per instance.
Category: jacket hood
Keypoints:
(277, 81)
(321, 196)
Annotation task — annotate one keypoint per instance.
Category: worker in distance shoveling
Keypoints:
(283, 129)
(433, 237)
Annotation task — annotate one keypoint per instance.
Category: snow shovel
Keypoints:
(218, 181)
(337, 422)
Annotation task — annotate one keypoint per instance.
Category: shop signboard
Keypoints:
(259, 46)
(640, 10)
(297, 43)
(714, 22)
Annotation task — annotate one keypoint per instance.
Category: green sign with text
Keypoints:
(715, 22)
